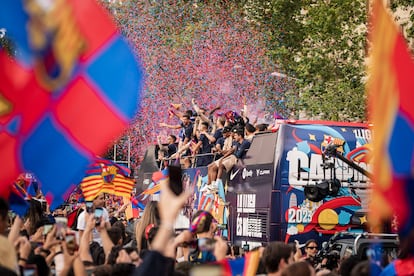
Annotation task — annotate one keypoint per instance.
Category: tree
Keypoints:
(406, 6)
(321, 46)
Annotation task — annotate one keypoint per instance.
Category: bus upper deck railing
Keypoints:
(163, 162)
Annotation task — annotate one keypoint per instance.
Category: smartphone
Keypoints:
(206, 244)
(89, 207)
(61, 225)
(71, 244)
(98, 214)
(47, 228)
(176, 184)
(30, 270)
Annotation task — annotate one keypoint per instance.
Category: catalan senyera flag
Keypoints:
(70, 89)
(391, 105)
(104, 176)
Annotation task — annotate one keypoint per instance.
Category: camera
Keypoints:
(332, 259)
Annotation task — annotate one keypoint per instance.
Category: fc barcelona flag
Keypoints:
(72, 87)
(105, 176)
(391, 105)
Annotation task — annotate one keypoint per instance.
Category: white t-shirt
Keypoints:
(95, 234)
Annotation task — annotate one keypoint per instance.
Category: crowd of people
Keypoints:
(101, 241)
(207, 139)
(42, 243)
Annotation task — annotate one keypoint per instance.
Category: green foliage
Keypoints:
(406, 6)
(320, 45)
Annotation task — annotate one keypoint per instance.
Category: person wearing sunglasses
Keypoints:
(311, 249)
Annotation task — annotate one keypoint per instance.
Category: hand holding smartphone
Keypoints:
(175, 183)
(71, 244)
(61, 225)
(89, 207)
(206, 244)
(98, 215)
(47, 228)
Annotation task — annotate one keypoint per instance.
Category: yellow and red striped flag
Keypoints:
(105, 176)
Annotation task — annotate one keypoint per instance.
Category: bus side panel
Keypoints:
(276, 233)
(250, 204)
(301, 165)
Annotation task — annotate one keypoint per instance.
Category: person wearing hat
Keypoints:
(229, 159)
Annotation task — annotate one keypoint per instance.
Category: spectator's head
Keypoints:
(366, 268)
(203, 126)
(183, 268)
(115, 234)
(99, 201)
(298, 268)
(226, 131)
(238, 133)
(171, 139)
(261, 127)
(120, 224)
(114, 254)
(276, 256)
(250, 129)
(34, 215)
(311, 248)
(347, 265)
(203, 224)
(4, 216)
(220, 121)
(150, 216)
(134, 255)
(41, 265)
(150, 232)
(186, 119)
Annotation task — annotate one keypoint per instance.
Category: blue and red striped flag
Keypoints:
(391, 106)
(72, 87)
(105, 176)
